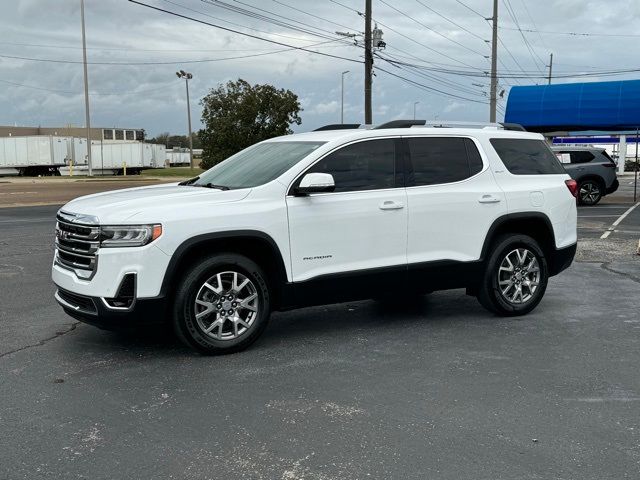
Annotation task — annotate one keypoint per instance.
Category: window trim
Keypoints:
(409, 163)
(398, 160)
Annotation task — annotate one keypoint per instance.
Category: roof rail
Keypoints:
(513, 126)
(400, 124)
(338, 126)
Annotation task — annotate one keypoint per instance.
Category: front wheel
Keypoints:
(516, 276)
(222, 305)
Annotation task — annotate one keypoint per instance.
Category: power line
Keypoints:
(471, 9)
(134, 92)
(424, 45)
(426, 87)
(238, 24)
(312, 15)
(186, 17)
(269, 18)
(432, 30)
(131, 49)
(172, 62)
(430, 76)
(575, 34)
(512, 14)
(451, 21)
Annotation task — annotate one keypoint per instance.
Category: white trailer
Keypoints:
(34, 155)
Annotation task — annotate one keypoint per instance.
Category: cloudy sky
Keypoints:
(435, 55)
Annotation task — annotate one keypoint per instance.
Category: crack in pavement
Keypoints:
(606, 266)
(41, 342)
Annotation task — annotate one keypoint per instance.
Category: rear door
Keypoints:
(453, 199)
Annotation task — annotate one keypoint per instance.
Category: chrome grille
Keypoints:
(77, 246)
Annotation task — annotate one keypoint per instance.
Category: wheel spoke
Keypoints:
(218, 322)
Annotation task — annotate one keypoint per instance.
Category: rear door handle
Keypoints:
(391, 205)
(489, 199)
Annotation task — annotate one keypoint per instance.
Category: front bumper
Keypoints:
(148, 263)
(94, 311)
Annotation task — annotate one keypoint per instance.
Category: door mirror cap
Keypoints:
(316, 183)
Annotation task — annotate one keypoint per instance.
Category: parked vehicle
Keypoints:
(33, 155)
(592, 168)
(322, 217)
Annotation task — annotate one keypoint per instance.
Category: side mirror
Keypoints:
(316, 183)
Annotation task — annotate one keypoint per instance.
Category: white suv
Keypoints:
(322, 217)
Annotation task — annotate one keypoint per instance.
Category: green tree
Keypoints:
(238, 114)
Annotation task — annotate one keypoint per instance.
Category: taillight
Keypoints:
(609, 165)
(572, 185)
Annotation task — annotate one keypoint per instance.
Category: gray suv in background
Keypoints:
(592, 168)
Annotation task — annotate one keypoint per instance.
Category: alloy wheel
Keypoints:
(226, 305)
(519, 276)
(589, 192)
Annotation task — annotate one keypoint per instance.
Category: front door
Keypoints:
(352, 242)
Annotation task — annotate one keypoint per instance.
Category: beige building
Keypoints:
(107, 134)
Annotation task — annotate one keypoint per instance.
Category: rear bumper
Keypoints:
(614, 186)
(92, 310)
(561, 259)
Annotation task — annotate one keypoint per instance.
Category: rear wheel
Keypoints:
(589, 192)
(222, 305)
(515, 278)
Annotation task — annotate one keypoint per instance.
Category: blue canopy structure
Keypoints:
(605, 106)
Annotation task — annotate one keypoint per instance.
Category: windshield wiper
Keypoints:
(190, 181)
(212, 185)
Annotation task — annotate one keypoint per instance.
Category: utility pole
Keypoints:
(493, 98)
(342, 98)
(86, 91)
(368, 63)
(187, 76)
(414, 109)
(550, 66)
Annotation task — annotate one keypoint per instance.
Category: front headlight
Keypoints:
(128, 235)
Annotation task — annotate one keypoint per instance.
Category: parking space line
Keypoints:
(617, 222)
(596, 216)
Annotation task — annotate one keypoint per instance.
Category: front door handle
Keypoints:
(391, 205)
(489, 199)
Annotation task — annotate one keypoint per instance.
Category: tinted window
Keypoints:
(442, 160)
(527, 157)
(108, 134)
(130, 135)
(119, 135)
(366, 165)
(581, 157)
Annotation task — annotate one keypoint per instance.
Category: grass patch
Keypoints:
(186, 172)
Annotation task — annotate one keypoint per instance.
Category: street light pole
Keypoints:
(86, 91)
(187, 76)
(414, 109)
(342, 98)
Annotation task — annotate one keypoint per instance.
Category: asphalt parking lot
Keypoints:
(435, 389)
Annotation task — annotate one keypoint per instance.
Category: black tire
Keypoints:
(590, 192)
(490, 294)
(189, 330)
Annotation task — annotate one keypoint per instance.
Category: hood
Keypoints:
(146, 204)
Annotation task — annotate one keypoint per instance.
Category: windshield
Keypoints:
(256, 165)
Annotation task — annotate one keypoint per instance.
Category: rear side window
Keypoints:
(368, 165)
(581, 157)
(527, 157)
(442, 160)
